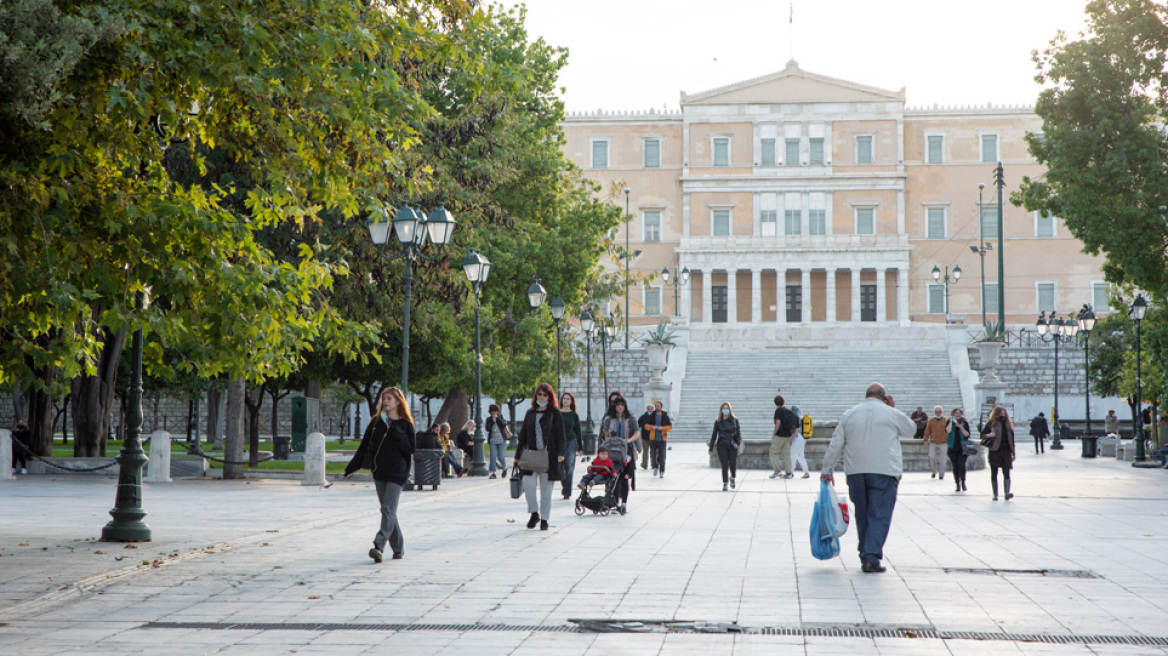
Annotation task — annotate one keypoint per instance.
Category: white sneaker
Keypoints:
(23, 471)
(776, 475)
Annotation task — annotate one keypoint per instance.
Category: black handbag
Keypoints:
(968, 448)
(516, 483)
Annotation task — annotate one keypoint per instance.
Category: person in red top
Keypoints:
(599, 471)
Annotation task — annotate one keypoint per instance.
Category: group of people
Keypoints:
(949, 437)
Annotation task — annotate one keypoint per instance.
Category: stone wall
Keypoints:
(628, 372)
(1029, 371)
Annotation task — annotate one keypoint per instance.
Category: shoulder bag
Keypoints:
(516, 483)
(534, 460)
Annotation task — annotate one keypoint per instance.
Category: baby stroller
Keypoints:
(600, 504)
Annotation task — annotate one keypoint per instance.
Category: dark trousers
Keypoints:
(19, 455)
(874, 498)
(1040, 444)
(569, 466)
(622, 486)
(729, 457)
(957, 459)
(388, 495)
(657, 454)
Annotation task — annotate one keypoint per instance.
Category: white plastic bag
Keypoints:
(834, 513)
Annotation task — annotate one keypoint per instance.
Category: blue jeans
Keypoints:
(569, 465)
(874, 497)
(453, 462)
(499, 455)
(1163, 455)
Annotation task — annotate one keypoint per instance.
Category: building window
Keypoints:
(817, 214)
(652, 300)
(989, 148)
(792, 214)
(864, 149)
(1044, 291)
(1101, 297)
(865, 220)
(937, 298)
(767, 157)
(721, 222)
(652, 148)
(816, 154)
(721, 151)
(989, 222)
(768, 222)
(651, 220)
(989, 300)
(600, 153)
(935, 150)
(1043, 225)
(791, 157)
(935, 222)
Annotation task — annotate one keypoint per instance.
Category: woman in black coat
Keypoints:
(543, 429)
(726, 440)
(386, 449)
(999, 432)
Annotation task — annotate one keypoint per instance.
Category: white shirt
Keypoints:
(868, 436)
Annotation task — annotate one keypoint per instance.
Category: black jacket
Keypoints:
(1038, 427)
(553, 438)
(385, 450)
(465, 442)
(726, 430)
(641, 421)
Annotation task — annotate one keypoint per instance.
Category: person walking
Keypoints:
(621, 434)
(727, 440)
(543, 430)
(868, 437)
(920, 418)
(785, 425)
(958, 431)
(21, 439)
(937, 437)
(498, 432)
(571, 440)
(647, 453)
(657, 425)
(386, 449)
(999, 432)
(798, 444)
(1040, 431)
(1111, 423)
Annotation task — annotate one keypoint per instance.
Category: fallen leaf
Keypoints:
(130, 546)
(99, 552)
(314, 597)
(24, 544)
(265, 544)
(119, 558)
(510, 521)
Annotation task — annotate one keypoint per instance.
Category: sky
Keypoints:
(640, 54)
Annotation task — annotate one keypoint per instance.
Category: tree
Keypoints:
(1102, 139)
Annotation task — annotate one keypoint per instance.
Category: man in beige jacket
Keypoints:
(937, 437)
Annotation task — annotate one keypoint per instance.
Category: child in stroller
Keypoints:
(601, 472)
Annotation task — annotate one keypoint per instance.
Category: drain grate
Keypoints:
(997, 571)
(679, 626)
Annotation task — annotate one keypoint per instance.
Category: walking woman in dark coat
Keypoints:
(571, 440)
(1000, 451)
(386, 449)
(620, 432)
(543, 429)
(727, 440)
(958, 432)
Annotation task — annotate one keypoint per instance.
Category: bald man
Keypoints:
(868, 437)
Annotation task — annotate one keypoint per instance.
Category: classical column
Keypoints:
(686, 295)
(707, 296)
(732, 295)
(856, 294)
(881, 295)
(830, 295)
(902, 296)
(756, 295)
(806, 283)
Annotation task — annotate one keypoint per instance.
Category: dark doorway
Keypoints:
(794, 303)
(867, 302)
(718, 303)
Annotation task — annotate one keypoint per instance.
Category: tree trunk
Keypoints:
(312, 389)
(18, 402)
(93, 398)
(40, 415)
(213, 434)
(253, 399)
(62, 416)
(234, 432)
(454, 410)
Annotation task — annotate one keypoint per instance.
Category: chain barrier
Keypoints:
(28, 453)
(196, 450)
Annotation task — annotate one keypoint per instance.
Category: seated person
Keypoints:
(465, 442)
(428, 439)
(600, 470)
(448, 456)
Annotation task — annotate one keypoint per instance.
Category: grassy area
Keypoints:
(178, 450)
(288, 465)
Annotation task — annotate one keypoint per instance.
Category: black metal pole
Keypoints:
(405, 365)
(127, 513)
(1141, 455)
(604, 365)
(479, 465)
(1056, 444)
(589, 433)
(628, 256)
(1000, 181)
(1087, 376)
(559, 377)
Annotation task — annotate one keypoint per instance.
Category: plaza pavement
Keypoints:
(1077, 563)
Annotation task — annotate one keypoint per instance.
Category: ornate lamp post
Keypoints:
(981, 249)
(1138, 308)
(955, 278)
(677, 283)
(587, 324)
(1086, 319)
(477, 268)
(1000, 183)
(627, 258)
(127, 513)
(411, 228)
(558, 308)
(605, 331)
(1059, 332)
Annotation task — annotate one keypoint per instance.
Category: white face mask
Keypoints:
(725, 412)
(385, 416)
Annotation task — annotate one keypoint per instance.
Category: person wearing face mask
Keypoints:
(727, 441)
(386, 449)
(621, 435)
(937, 437)
(543, 430)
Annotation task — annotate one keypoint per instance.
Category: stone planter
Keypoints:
(657, 360)
(989, 352)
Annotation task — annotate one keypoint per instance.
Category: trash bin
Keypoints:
(1089, 445)
(428, 468)
(280, 447)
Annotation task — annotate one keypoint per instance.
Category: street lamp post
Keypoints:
(127, 513)
(627, 258)
(1059, 332)
(955, 278)
(558, 308)
(1000, 182)
(587, 324)
(477, 268)
(1138, 308)
(981, 249)
(678, 282)
(411, 228)
(603, 328)
(1086, 319)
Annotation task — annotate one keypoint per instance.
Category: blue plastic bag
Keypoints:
(823, 548)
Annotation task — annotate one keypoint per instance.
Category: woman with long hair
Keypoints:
(958, 431)
(999, 431)
(386, 450)
(449, 461)
(543, 430)
(498, 432)
(571, 440)
(620, 431)
(727, 441)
